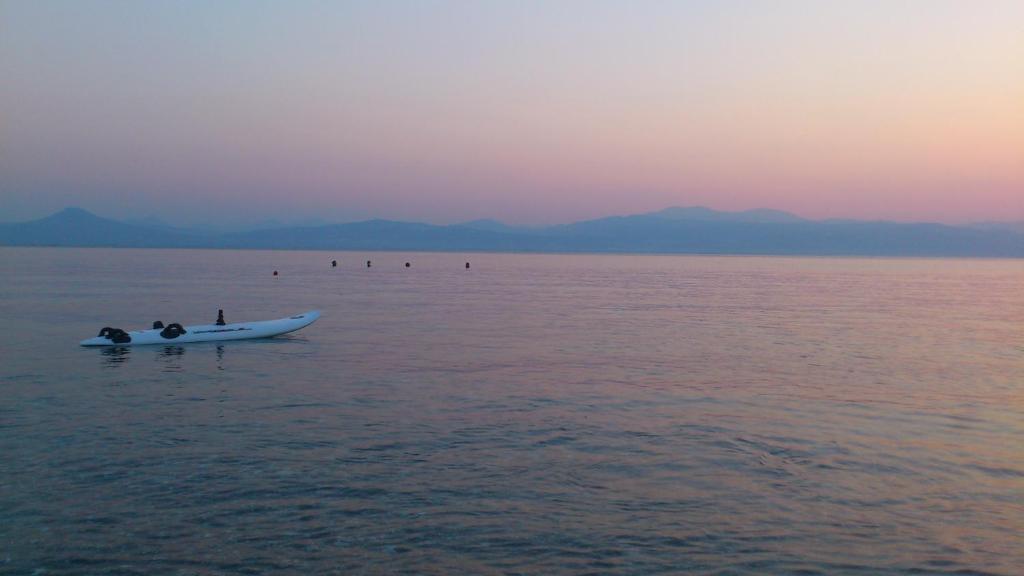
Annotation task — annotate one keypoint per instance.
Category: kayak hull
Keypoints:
(214, 333)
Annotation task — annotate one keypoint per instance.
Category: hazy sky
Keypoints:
(530, 112)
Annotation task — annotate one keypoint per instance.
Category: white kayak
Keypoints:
(176, 334)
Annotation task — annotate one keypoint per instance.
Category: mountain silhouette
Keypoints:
(703, 214)
(77, 227)
(695, 230)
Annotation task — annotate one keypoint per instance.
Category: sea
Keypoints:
(532, 414)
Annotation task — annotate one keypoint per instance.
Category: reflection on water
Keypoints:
(170, 356)
(172, 351)
(114, 356)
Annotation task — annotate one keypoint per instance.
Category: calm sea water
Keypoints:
(539, 414)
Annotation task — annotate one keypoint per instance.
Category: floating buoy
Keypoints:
(334, 263)
(275, 272)
(467, 265)
(407, 265)
(368, 263)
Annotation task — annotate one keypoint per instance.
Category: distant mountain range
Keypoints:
(694, 230)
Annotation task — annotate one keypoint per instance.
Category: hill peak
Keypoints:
(73, 212)
(73, 216)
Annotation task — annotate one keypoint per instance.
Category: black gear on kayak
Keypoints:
(158, 325)
(115, 335)
(173, 331)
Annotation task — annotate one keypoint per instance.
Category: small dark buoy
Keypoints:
(467, 265)
(368, 263)
(220, 317)
(334, 263)
(275, 272)
(407, 265)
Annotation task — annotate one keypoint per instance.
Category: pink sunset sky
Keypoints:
(529, 112)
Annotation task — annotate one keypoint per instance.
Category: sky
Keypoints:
(525, 111)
